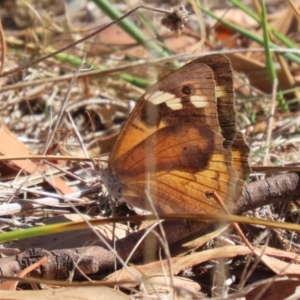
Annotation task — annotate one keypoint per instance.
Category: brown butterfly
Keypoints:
(181, 143)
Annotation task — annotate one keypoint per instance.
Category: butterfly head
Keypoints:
(111, 182)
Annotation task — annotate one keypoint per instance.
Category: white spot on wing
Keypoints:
(169, 99)
(175, 104)
(220, 91)
(199, 100)
(159, 97)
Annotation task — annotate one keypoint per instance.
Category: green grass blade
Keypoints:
(269, 58)
(130, 28)
(250, 35)
(282, 38)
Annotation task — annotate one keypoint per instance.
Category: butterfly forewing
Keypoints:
(185, 98)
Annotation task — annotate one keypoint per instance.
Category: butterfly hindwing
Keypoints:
(179, 166)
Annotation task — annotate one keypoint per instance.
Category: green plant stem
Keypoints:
(282, 38)
(269, 58)
(250, 35)
(130, 28)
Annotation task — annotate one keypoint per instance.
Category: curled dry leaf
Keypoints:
(277, 288)
(10, 145)
(68, 293)
(179, 264)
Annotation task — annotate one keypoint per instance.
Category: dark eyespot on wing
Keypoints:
(188, 90)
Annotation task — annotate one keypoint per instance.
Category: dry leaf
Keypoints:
(68, 293)
(277, 288)
(10, 145)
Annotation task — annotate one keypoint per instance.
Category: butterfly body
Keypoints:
(180, 143)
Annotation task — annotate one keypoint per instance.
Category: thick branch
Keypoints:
(272, 190)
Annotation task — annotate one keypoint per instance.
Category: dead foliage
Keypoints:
(60, 112)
